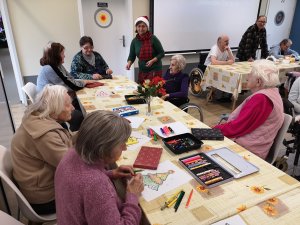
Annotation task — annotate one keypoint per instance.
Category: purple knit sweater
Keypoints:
(84, 194)
(177, 85)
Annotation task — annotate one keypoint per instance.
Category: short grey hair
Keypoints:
(50, 102)
(180, 61)
(100, 132)
(267, 72)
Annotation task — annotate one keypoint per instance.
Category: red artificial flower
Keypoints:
(161, 92)
(157, 81)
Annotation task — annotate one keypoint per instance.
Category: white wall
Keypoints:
(35, 22)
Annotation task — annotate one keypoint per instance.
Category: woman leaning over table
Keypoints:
(84, 190)
(53, 72)
(255, 123)
(89, 64)
(39, 144)
(177, 82)
(148, 49)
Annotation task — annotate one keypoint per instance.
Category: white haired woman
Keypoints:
(255, 123)
(84, 190)
(39, 144)
(177, 82)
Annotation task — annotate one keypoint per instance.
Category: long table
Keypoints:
(232, 78)
(206, 207)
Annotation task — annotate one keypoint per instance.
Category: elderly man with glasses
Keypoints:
(254, 37)
(283, 49)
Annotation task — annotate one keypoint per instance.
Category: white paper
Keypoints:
(103, 93)
(234, 220)
(125, 87)
(177, 127)
(142, 139)
(166, 178)
(135, 121)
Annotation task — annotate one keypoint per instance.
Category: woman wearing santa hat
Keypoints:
(148, 49)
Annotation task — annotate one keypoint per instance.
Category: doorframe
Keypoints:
(12, 51)
(130, 73)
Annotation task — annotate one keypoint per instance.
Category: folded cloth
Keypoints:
(95, 84)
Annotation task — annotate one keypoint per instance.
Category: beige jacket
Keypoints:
(37, 147)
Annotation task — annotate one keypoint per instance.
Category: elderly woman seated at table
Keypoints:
(177, 82)
(255, 123)
(88, 64)
(39, 144)
(84, 190)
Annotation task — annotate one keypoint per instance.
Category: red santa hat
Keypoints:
(143, 19)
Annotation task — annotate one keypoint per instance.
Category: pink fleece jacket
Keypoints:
(85, 194)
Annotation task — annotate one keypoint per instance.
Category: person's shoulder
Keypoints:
(46, 68)
(154, 37)
(97, 54)
(214, 48)
(252, 27)
(78, 54)
(185, 75)
(260, 97)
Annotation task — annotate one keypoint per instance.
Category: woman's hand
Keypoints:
(150, 62)
(97, 76)
(135, 185)
(123, 171)
(128, 65)
(165, 96)
(109, 71)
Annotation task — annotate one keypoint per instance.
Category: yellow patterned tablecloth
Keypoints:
(283, 209)
(232, 78)
(206, 207)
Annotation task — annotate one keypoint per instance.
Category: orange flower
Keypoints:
(270, 210)
(241, 208)
(273, 201)
(257, 190)
(202, 189)
(206, 147)
(247, 157)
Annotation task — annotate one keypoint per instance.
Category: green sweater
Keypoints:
(157, 51)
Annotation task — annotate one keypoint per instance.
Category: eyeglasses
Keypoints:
(88, 47)
(264, 22)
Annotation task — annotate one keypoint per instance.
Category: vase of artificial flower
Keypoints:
(148, 101)
(151, 88)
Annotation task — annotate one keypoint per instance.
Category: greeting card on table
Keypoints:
(148, 158)
(141, 140)
(166, 178)
(177, 128)
(135, 121)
